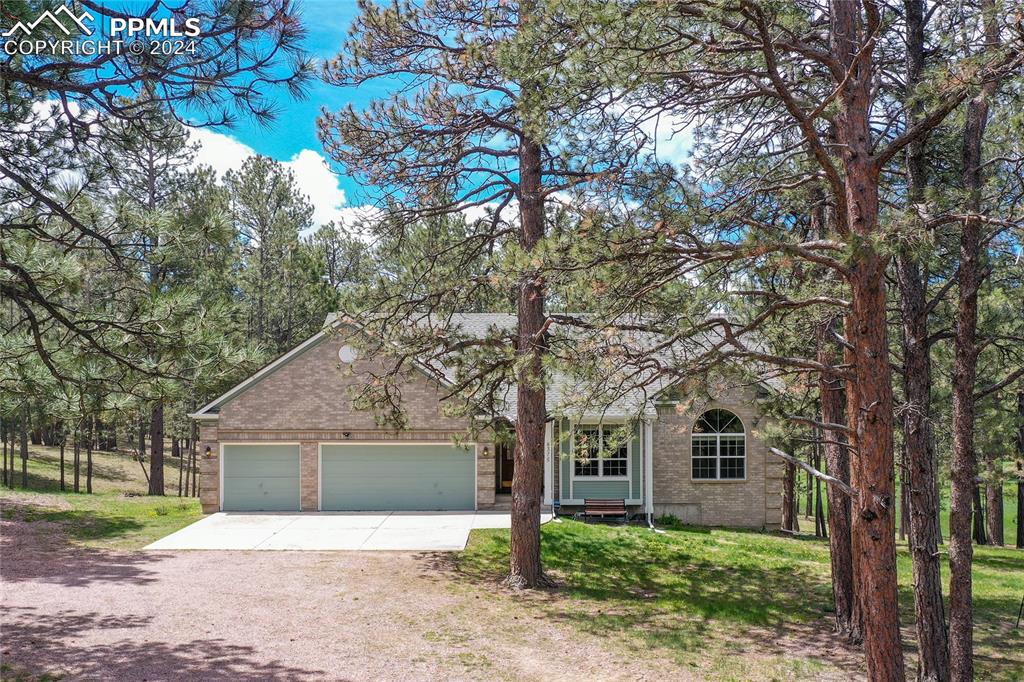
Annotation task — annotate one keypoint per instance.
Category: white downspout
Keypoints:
(649, 471)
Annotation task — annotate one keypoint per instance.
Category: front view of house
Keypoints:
(288, 439)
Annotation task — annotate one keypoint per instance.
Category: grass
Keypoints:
(733, 604)
(1009, 509)
(117, 515)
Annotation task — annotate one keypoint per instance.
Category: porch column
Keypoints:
(648, 453)
(548, 486)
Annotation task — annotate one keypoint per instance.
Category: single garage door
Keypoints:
(261, 477)
(403, 477)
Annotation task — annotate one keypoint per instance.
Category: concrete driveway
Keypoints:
(402, 531)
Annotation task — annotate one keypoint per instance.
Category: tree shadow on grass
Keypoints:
(34, 542)
(49, 643)
(688, 593)
(1005, 560)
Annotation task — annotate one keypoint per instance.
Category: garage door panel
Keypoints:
(261, 477)
(397, 477)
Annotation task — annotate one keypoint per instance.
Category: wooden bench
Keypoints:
(601, 509)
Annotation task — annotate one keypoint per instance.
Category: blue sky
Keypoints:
(295, 129)
(292, 137)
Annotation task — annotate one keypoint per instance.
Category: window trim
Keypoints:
(601, 476)
(718, 449)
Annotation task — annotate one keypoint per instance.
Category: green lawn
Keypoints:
(1009, 511)
(733, 604)
(118, 515)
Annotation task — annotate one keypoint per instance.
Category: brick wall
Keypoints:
(313, 391)
(755, 502)
(309, 400)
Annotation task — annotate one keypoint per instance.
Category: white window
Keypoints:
(600, 452)
(719, 447)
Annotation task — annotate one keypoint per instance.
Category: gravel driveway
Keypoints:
(237, 615)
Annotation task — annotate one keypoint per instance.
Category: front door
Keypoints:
(506, 464)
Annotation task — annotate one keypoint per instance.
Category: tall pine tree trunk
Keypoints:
(920, 475)
(978, 519)
(1020, 470)
(63, 442)
(3, 440)
(88, 458)
(837, 463)
(964, 458)
(993, 510)
(869, 402)
(809, 496)
(142, 440)
(24, 446)
(789, 515)
(13, 434)
(156, 453)
(78, 457)
(176, 451)
(531, 413)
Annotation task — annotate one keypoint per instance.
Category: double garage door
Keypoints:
(353, 477)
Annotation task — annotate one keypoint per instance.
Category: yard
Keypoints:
(81, 601)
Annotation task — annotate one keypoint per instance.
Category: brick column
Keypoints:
(484, 475)
(209, 469)
(309, 456)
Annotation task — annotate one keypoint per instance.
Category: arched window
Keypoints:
(718, 448)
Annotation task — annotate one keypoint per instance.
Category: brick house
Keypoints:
(288, 439)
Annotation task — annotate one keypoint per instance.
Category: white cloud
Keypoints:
(313, 175)
(671, 138)
(220, 152)
(320, 184)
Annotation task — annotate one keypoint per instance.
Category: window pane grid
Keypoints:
(590, 444)
(718, 446)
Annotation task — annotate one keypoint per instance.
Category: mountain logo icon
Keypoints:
(54, 18)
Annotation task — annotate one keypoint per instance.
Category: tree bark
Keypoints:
(809, 495)
(837, 462)
(1020, 470)
(13, 434)
(142, 440)
(88, 459)
(24, 447)
(869, 402)
(3, 440)
(993, 510)
(78, 457)
(964, 457)
(176, 452)
(920, 475)
(904, 493)
(978, 518)
(156, 449)
(789, 514)
(531, 413)
(819, 507)
(63, 442)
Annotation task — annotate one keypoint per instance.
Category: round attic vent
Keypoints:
(347, 354)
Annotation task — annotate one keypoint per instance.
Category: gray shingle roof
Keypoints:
(565, 395)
